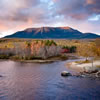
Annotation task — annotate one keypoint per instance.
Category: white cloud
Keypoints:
(19, 14)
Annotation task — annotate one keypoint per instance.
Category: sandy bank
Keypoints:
(84, 67)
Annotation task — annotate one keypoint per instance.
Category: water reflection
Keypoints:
(31, 81)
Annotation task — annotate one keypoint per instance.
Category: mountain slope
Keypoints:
(52, 32)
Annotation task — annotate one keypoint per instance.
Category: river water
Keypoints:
(32, 81)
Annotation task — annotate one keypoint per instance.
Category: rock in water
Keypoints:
(1, 76)
(65, 73)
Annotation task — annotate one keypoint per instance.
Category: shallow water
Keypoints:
(32, 81)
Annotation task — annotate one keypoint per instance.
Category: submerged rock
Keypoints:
(1, 76)
(65, 73)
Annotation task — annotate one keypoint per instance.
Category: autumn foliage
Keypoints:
(42, 49)
(31, 49)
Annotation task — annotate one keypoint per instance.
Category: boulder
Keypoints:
(1, 76)
(90, 69)
(65, 73)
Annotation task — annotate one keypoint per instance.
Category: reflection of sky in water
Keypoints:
(31, 81)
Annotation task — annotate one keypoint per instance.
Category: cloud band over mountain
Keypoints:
(19, 14)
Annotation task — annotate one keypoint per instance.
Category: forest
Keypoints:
(29, 49)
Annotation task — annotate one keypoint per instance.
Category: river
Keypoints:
(35, 81)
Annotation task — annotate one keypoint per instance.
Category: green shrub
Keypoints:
(16, 57)
(4, 56)
(72, 49)
(66, 47)
(49, 43)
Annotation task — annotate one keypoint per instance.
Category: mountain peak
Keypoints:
(67, 28)
(29, 30)
(45, 29)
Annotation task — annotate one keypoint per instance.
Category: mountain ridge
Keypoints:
(52, 33)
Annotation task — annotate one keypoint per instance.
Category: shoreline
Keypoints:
(84, 66)
(48, 60)
(33, 61)
(52, 59)
(37, 61)
(85, 69)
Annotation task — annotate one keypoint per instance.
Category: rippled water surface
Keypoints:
(31, 81)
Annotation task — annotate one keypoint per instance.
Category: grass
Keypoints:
(16, 57)
(4, 56)
(82, 62)
(98, 66)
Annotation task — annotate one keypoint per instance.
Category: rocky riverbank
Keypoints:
(48, 60)
(85, 69)
(61, 57)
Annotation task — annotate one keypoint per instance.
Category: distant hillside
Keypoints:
(52, 33)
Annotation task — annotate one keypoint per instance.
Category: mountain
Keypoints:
(53, 33)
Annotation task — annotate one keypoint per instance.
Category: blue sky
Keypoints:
(16, 15)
